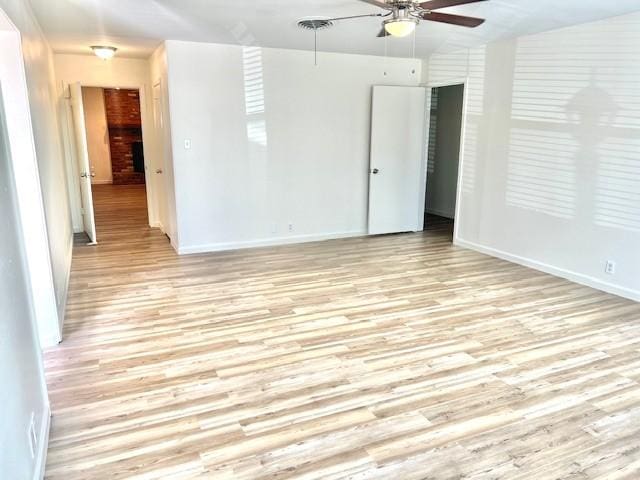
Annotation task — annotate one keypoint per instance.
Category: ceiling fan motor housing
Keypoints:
(404, 13)
(403, 20)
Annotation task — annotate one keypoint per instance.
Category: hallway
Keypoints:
(121, 213)
(382, 357)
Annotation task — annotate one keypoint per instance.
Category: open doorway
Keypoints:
(116, 168)
(445, 126)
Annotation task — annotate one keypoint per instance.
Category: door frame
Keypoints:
(464, 81)
(83, 162)
(72, 164)
(26, 175)
(159, 132)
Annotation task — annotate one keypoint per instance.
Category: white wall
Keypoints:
(551, 167)
(275, 141)
(95, 118)
(49, 270)
(444, 154)
(23, 391)
(23, 395)
(91, 71)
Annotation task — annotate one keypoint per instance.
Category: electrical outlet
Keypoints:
(291, 227)
(274, 228)
(31, 433)
(610, 267)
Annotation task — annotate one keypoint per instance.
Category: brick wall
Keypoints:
(120, 142)
(125, 128)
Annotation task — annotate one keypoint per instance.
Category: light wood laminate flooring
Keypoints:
(393, 357)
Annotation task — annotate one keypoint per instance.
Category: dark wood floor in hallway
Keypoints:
(392, 357)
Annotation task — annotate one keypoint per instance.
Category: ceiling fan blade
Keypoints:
(437, 4)
(378, 3)
(460, 20)
(383, 33)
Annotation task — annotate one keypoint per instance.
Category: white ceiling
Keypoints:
(136, 27)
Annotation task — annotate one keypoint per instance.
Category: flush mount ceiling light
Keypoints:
(104, 52)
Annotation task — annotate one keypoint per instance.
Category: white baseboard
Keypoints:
(268, 242)
(101, 182)
(440, 213)
(550, 269)
(62, 309)
(174, 244)
(50, 334)
(43, 445)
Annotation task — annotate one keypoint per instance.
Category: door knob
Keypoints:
(84, 175)
(375, 171)
(159, 170)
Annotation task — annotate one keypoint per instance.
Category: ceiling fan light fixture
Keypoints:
(400, 27)
(104, 52)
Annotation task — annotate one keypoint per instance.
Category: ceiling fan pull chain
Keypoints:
(386, 59)
(385, 48)
(414, 45)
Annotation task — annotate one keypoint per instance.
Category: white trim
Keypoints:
(267, 242)
(102, 182)
(69, 153)
(28, 189)
(424, 167)
(464, 81)
(175, 245)
(50, 339)
(63, 308)
(160, 225)
(550, 269)
(43, 445)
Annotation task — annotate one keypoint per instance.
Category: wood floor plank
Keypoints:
(396, 356)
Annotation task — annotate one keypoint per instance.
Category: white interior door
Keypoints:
(82, 155)
(396, 174)
(158, 124)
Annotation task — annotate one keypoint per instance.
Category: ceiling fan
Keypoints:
(403, 15)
